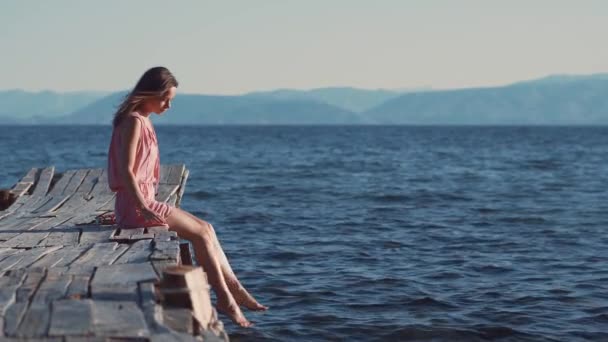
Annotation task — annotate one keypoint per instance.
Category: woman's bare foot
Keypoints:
(233, 311)
(242, 297)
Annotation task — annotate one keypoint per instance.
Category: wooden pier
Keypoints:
(67, 276)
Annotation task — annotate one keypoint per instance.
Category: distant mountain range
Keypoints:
(553, 100)
(30, 107)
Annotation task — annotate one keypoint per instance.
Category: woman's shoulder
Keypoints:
(135, 114)
(132, 122)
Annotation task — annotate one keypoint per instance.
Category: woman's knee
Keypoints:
(205, 231)
(205, 223)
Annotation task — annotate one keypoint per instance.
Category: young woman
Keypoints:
(133, 173)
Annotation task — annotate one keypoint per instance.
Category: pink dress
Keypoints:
(146, 170)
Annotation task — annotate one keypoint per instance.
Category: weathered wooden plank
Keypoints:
(44, 181)
(177, 172)
(8, 288)
(101, 254)
(80, 270)
(182, 188)
(121, 234)
(144, 236)
(30, 176)
(73, 205)
(109, 206)
(20, 189)
(101, 186)
(165, 191)
(26, 240)
(12, 316)
(94, 234)
(89, 181)
(92, 339)
(11, 259)
(89, 211)
(6, 264)
(31, 202)
(62, 257)
(79, 287)
(32, 255)
(53, 287)
(75, 181)
(123, 274)
(29, 286)
(138, 252)
(162, 234)
(71, 317)
(172, 200)
(130, 235)
(147, 293)
(6, 252)
(34, 231)
(36, 320)
(13, 222)
(63, 190)
(13, 234)
(66, 236)
(160, 265)
(41, 187)
(118, 318)
(34, 339)
(150, 308)
(110, 283)
(52, 204)
(171, 174)
(165, 250)
(165, 172)
(81, 202)
(26, 258)
(61, 183)
(115, 292)
(179, 319)
(17, 309)
(107, 202)
(14, 209)
(173, 336)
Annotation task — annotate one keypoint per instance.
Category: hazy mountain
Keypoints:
(8, 121)
(557, 79)
(44, 104)
(208, 109)
(558, 99)
(352, 99)
(554, 100)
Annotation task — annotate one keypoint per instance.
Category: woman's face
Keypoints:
(161, 103)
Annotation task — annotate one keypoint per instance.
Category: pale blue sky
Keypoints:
(228, 47)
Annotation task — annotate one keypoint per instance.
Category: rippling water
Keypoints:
(389, 233)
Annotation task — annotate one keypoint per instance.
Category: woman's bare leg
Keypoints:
(207, 256)
(240, 294)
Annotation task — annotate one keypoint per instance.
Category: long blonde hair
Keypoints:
(154, 82)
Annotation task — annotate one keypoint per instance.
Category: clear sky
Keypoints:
(232, 46)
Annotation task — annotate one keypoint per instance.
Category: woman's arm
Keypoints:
(130, 133)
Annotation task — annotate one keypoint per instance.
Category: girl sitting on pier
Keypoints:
(133, 173)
